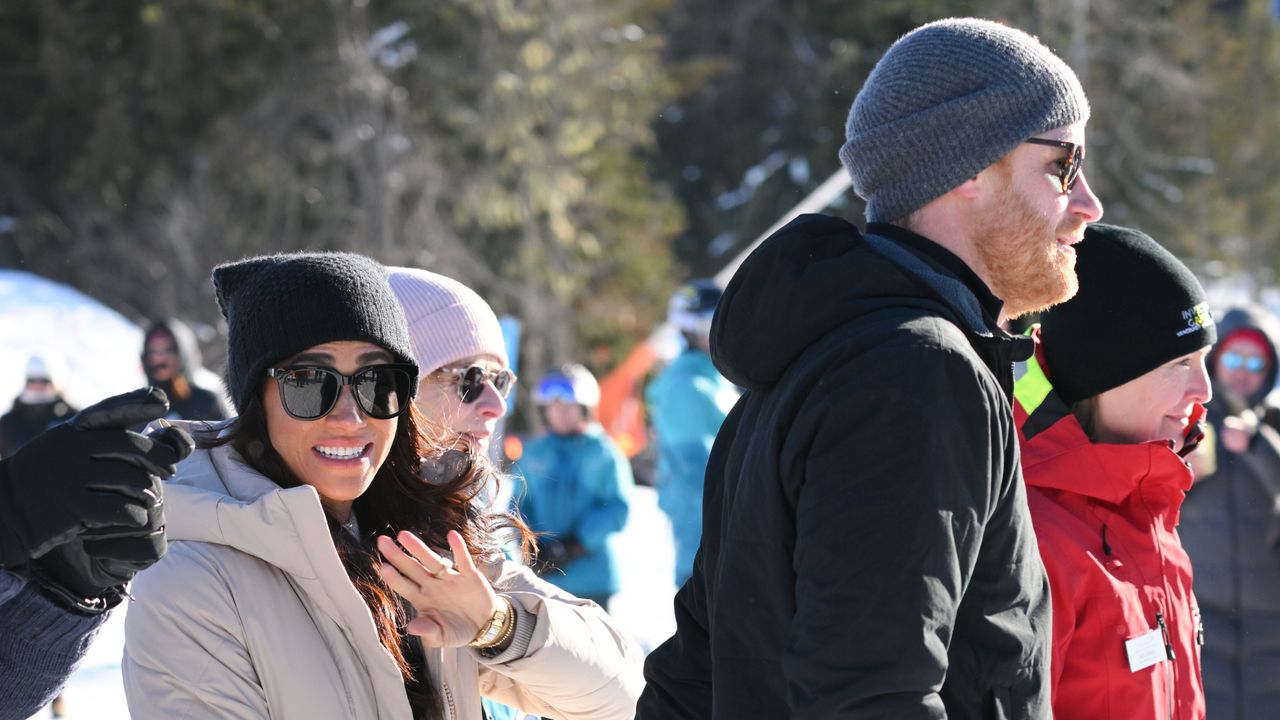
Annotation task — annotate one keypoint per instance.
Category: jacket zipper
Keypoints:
(1199, 627)
(448, 697)
(1168, 665)
(1164, 629)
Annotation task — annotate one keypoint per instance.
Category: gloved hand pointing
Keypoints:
(88, 475)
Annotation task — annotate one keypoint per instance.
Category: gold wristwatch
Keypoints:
(497, 629)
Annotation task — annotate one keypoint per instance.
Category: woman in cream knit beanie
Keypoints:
(460, 351)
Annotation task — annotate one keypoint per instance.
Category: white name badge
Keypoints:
(1145, 650)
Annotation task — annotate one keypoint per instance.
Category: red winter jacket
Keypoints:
(1104, 517)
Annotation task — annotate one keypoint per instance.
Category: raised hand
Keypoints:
(453, 599)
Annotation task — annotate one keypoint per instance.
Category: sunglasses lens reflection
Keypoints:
(472, 380)
(1071, 172)
(502, 382)
(311, 393)
(381, 391)
(1235, 361)
(471, 386)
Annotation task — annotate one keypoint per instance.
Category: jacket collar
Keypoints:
(217, 498)
(997, 348)
(944, 260)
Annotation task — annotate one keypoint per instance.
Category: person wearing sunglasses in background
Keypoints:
(466, 379)
(866, 547)
(37, 408)
(312, 573)
(1230, 522)
(458, 344)
(578, 487)
(172, 361)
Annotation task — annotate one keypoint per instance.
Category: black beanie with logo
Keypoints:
(1138, 307)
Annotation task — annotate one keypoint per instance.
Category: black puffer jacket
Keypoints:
(867, 550)
(1230, 526)
(27, 420)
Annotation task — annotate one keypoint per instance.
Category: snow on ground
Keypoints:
(96, 346)
(643, 607)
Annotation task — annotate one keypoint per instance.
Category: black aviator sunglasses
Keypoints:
(311, 392)
(1069, 170)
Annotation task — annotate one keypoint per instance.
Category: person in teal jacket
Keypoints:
(578, 486)
(687, 402)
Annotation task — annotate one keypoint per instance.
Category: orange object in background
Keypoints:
(621, 409)
(512, 448)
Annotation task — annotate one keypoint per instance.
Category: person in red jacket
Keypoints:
(1107, 408)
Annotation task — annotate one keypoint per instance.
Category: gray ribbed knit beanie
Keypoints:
(447, 320)
(948, 99)
(276, 306)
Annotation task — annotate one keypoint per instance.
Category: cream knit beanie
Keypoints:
(448, 321)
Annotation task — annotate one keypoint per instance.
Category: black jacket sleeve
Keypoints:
(678, 673)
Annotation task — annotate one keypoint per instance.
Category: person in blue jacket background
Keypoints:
(578, 486)
(687, 402)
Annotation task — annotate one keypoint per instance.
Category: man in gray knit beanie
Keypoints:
(866, 546)
(935, 141)
(946, 101)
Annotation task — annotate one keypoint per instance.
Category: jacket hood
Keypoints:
(812, 276)
(1249, 317)
(184, 339)
(1058, 455)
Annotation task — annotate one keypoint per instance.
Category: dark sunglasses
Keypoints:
(471, 381)
(1235, 361)
(311, 392)
(1068, 169)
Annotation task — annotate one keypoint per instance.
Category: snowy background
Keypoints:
(94, 350)
(99, 351)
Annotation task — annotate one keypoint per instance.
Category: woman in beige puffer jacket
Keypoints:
(273, 600)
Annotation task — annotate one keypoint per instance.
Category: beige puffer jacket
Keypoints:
(250, 615)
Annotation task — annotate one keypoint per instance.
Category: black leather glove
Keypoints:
(88, 475)
(88, 573)
(554, 553)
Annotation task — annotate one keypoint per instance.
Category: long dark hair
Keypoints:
(1086, 412)
(397, 499)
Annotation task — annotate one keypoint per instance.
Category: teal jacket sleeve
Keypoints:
(610, 477)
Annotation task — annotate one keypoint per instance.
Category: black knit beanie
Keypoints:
(1138, 308)
(276, 306)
